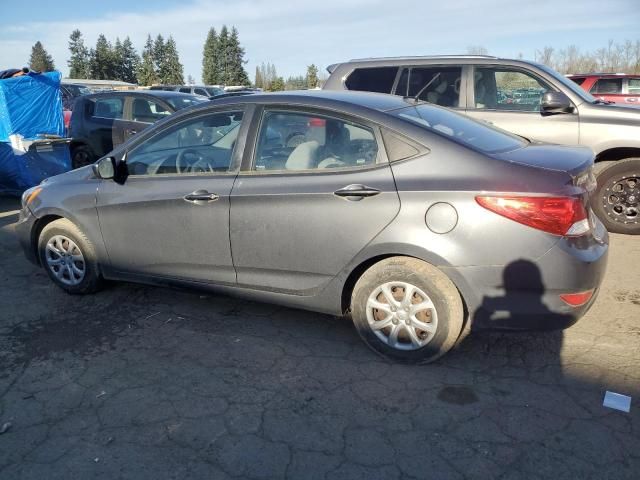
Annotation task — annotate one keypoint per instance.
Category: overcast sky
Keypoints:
(292, 35)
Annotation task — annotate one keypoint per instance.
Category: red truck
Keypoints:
(611, 87)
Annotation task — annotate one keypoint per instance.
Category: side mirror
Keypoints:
(105, 168)
(555, 102)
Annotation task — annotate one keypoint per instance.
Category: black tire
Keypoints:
(81, 155)
(449, 313)
(63, 228)
(610, 176)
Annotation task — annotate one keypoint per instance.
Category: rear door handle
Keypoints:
(201, 196)
(356, 192)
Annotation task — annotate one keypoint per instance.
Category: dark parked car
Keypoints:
(102, 121)
(419, 221)
(202, 90)
(525, 98)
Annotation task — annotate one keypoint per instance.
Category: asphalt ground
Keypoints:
(140, 382)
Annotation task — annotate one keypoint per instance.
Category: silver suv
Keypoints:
(528, 99)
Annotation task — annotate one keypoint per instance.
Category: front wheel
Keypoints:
(617, 198)
(69, 257)
(407, 310)
(81, 156)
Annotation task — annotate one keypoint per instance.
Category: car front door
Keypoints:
(509, 98)
(300, 214)
(170, 217)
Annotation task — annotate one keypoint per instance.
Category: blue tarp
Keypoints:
(19, 172)
(31, 105)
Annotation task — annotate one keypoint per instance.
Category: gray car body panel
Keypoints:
(598, 126)
(301, 267)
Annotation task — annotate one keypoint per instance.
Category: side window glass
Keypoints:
(201, 145)
(634, 86)
(438, 85)
(402, 87)
(301, 141)
(185, 89)
(108, 108)
(379, 79)
(147, 111)
(578, 80)
(200, 91)
(607, 85)
(504, 89)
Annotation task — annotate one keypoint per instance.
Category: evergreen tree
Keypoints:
(222, 58)
(296, 83)
(171, 72)
(79, 61)
(210, 72)
(118, 58)
(191, 80)
(130, 61)
(159, 58)
(236, 74)
(312, 76)
(146, 71)
(40, 60)
(259, 82)
(102, 62)
(277, 85)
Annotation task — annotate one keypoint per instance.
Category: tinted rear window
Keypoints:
(372, 79)
(461, 129)
(184, 101)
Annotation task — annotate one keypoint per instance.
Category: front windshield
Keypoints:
(461, 129)
(185, 101)
(570, 84)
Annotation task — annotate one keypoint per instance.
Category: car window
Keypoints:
(578, 80)
(438, 84)
(507, 89)
(108, 107)
(607, 85)
(634, 86)
(183, 101)
(461, 129)
(149, 111)
(185, 89)
(304, 141)
(379, 79)
(212, 91)
(200, 145)
(200, 91)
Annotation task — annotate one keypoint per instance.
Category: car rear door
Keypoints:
(141, 112)
(170, 217)
(509, 98)
(300, 214)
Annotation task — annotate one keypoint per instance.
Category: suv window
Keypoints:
(321, 142)
(578, 80)
(498, 88)
(108, 108)
(377, 79)
(461, 129)
(199, 145)
(148, 111)
(634, 86)
(185, 89)
(201, 91)
(607, 85)
(439, 85)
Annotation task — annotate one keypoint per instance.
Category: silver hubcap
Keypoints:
(65, 260)
(402, 315)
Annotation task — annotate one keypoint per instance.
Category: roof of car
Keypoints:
(152, 93)
(603, 74)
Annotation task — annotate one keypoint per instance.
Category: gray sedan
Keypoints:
(421, 223)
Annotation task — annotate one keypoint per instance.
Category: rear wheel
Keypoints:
(69, 258)
(81, 155)
(617, 198)
(408, 310)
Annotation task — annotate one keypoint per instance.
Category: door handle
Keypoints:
(132, 132)
(356, 192)
(201, 196)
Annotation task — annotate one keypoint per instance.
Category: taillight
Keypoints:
(317, 122)
(576, 299)
(558, 215)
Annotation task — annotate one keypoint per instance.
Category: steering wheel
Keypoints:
(182, 166)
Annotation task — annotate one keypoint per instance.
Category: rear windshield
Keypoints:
(184, 101)
(457, 127)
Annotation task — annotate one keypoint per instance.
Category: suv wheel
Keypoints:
(69, 257)
(408, 310)
(81, 156)
(617, 198)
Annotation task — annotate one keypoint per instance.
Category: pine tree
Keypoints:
(236, 74)
(102, 63)
(259, 82)
(277, 85)
(210, 72)
(40, 60)
(146, 70)
(79, 61)
(312, 76)
(130, 61)
(222, 58)
(118, 58)
(171, 72)
(159, 58)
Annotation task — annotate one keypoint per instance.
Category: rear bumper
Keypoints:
(24, 230)
(525, 294)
